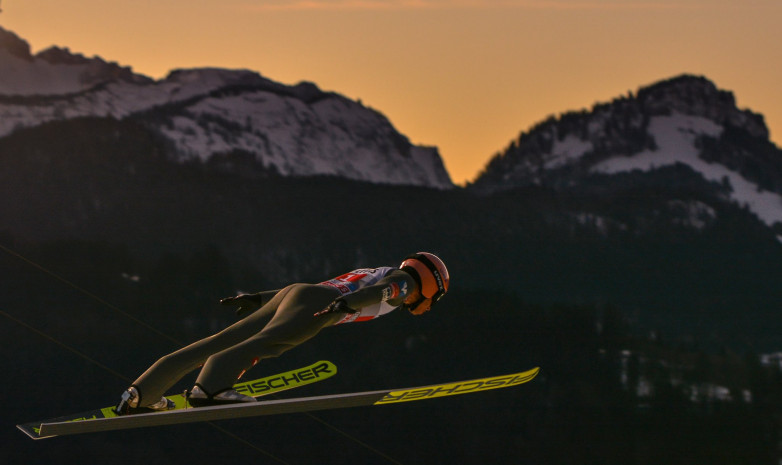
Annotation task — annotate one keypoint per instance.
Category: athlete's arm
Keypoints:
(248, 303)
(393, 289)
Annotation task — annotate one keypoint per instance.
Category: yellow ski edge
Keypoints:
(459, 387)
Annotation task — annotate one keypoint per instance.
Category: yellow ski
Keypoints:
(276, 407)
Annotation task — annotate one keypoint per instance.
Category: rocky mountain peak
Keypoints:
(15, 46)
(54, 72)
(698, 96)
(62, 56)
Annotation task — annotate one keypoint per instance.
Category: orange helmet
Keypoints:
(431, 275)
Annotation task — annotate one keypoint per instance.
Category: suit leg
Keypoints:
(292, 324)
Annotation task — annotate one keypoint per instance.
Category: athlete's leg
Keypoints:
(293, 323)
(171, 368)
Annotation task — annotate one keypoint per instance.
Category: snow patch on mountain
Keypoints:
(676, 136)
(566, 151)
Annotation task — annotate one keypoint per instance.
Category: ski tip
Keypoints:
(459, 387)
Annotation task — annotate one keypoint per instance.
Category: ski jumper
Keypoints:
(280, 324)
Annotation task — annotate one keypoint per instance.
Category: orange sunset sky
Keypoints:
(464, 75)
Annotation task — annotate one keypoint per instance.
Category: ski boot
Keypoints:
(128, 404)
(198, 397)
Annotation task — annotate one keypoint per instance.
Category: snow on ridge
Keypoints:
(332, 137)
(675, 137)
(39, 77)
(204, 80)
(117, 99)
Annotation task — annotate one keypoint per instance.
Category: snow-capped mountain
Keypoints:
(204, 113)
(684, 123)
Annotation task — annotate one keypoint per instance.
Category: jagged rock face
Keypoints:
(216, 115)
(53, 72)
(14, 46)
(697, 96)
(685, 121)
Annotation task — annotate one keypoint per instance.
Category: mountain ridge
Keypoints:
(683, 120)
(296, 130)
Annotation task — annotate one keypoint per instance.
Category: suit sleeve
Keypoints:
(393, 289)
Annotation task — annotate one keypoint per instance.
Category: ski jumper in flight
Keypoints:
(276, 321)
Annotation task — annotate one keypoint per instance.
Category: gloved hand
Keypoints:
(337, 306)
(245, 304)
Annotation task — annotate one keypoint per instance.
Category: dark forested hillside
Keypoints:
(683, 258)
(641, 307)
